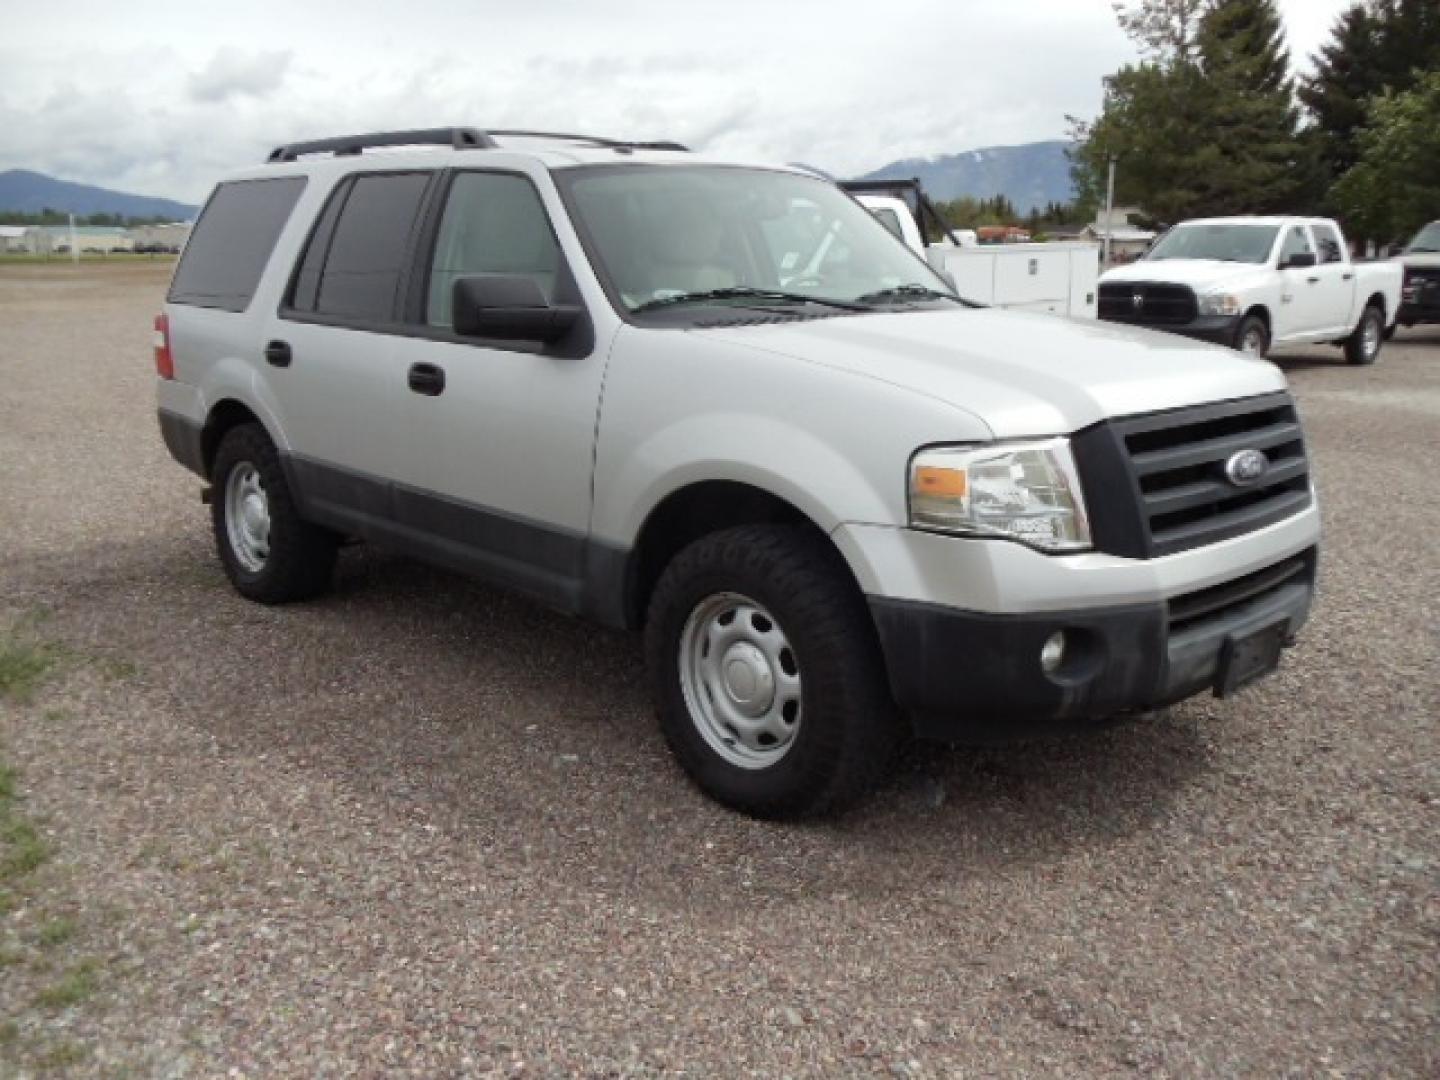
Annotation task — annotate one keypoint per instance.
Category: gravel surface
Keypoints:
(422, 827)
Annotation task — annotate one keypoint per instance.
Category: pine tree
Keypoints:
(1375, 46)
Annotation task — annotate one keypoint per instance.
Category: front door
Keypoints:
(503, 432)
(1301, 311)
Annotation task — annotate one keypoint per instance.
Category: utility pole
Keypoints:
(1109, 214)
(74, 243)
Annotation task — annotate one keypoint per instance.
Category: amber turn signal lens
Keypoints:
(940, 483)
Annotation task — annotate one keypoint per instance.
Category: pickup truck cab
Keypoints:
(1255, 282)
(1421, 263)
(842, 505)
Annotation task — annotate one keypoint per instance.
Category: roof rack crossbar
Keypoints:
(458, 138)
(594, 140)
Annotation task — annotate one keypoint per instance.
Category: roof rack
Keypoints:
(457, 138)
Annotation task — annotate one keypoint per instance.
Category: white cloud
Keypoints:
(155, 100)
(234, 72)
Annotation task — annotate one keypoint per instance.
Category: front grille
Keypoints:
(1148, 304)
(1156, 484)
(1193, 610)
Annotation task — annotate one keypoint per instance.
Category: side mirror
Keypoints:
(509, 307)
(1298, 261)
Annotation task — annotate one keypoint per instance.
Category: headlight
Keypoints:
(1219, 304)
(1028, 492)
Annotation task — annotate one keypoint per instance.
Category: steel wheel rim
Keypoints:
(1370, 336)
(247, 517)
(741, 680)
(1254, 343)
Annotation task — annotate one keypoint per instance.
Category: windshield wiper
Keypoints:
(906, 292)
(746, 292)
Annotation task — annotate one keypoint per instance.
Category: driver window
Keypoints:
(1296, 243)
(494, 223)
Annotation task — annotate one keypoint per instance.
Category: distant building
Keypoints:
(170, 237)
(12, 238)
(1002, 234)
(56, 239)
(1128, 241)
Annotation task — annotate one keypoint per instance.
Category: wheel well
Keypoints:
(1263, 314)
(690, 513)
(224, 416)
(1377, 300)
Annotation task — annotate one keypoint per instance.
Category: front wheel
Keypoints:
(767, 673)
(269, 552)
(1251, 337)
(1363, 346)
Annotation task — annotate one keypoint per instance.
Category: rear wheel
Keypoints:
(767, 673)
(269, 553)
(1363, 346)
(1251, 337)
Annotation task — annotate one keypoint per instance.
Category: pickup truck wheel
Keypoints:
(1251, 338)
(767, 675)
(1363, 346)
(268, 552)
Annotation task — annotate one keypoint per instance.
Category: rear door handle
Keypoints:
(278, 353)
(1312, 280)
(427, 379)
(1346, 277)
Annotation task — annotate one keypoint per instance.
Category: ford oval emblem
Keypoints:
(1246, 467)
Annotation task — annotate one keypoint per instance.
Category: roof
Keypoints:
(1124, 233)
(550, 151)
(13, 232)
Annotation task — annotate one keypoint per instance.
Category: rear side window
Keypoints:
(361, 247)
(1329, 241)
(232, 242)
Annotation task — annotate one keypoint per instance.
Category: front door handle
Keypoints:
(1347, 277)
(1312, 280)
(427, 379)
(277, 353)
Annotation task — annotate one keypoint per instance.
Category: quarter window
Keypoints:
(233, 239)
(494, 223)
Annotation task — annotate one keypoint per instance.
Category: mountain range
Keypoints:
(1030, 175)
(26, 192)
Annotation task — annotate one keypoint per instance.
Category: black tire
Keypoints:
(1252, 325)
(1390, 330)
(848, 724)
(1356, 351)
(301, 557)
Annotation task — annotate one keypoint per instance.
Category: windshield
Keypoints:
(666, 236)
(1427, 239)
(1220, 243)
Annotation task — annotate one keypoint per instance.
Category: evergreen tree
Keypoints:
(1394, 187)
(1374, 46)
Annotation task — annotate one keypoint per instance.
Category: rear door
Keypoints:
(1336, 287)
(338, 384)
(499, 482)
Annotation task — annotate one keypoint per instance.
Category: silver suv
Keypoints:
(724, 405)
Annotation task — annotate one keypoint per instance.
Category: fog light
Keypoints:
(1052, 653)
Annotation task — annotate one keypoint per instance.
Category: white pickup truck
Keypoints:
(1254, 282)
(1055, 278)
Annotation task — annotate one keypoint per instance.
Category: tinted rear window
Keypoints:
(354, 262)
(232, 242)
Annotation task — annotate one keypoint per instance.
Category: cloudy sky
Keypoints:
(161, 97)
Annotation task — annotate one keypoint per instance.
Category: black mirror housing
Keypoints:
(1299, 261)
(509, 307)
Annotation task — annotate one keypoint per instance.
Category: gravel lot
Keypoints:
(422, 827)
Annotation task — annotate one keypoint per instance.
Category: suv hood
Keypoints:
(1199, 274)
(1020, 373)
(1419, 259)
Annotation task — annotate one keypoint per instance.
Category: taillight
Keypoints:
(164, 359)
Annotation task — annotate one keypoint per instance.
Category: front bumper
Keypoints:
(974, 677)
(1216, 329)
